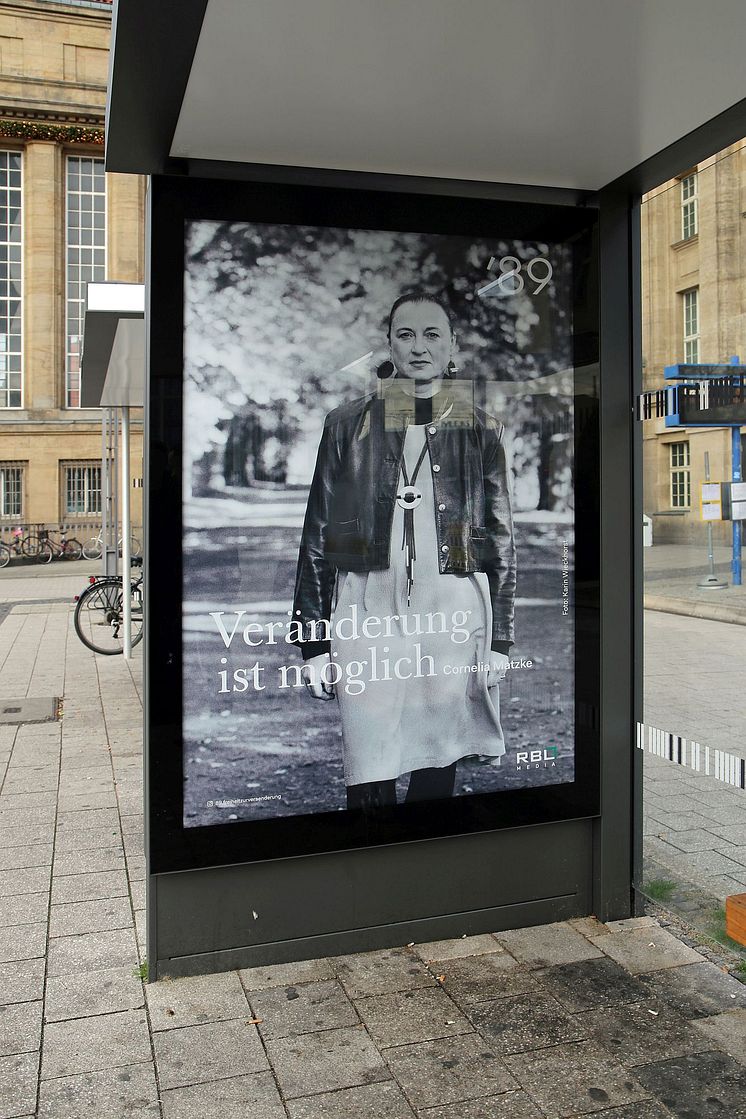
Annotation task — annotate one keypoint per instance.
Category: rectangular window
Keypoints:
(689, 206)
(680, 475)
(11, 489)
(86, 256)
(82, 488)
(11, 333)
(691, 327)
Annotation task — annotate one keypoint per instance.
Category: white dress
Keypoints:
(441, 709)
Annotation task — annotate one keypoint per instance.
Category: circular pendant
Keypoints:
(408, 497)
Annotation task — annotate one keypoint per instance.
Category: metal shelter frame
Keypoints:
(199, 919)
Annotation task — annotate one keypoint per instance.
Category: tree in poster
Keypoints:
(287, 321)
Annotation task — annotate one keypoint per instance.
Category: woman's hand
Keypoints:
(311, 676)
(498, 663)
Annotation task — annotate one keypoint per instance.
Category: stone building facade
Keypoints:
(66, 223)
(694, 310)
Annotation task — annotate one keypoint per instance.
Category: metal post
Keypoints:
(108, 508)
(105, 486)
(126, 533)
(116, 468)
(621, 561)
(735, 436)
(110, 504)
(710, 580)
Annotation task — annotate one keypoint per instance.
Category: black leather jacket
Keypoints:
(351, 503)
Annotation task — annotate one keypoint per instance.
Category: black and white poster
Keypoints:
(378, 519)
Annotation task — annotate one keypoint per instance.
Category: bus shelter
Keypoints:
(309, 165)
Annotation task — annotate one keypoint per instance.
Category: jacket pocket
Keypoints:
(477, 545)
(345, 528)
(343, 540)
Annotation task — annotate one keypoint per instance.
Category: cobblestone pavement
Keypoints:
(622, 1020)
(672, 572)
(695, 651)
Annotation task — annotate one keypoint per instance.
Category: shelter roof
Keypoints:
(578, 94)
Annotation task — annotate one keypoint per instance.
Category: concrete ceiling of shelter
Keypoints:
(569, 93)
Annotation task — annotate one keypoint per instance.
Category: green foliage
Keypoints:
(659, 889)
(716, 929)
(141, 971)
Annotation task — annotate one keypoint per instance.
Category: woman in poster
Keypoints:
(408, 550)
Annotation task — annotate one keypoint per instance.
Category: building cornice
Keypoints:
(686, 241)
(46, 10)
(57, 83)
(28, 109)
(50, 425)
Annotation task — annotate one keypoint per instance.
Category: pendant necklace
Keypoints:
(408, 498)
(410, 495)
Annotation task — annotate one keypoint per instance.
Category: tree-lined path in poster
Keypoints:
(284, 744)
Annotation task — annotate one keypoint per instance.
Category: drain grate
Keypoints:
(31, 710)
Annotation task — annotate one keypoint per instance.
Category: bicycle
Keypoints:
(7, 551)
(99, 613)
(94, 547)
(31, 545)
(65, 549)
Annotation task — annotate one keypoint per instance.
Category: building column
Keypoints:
(125, 236)
(43, 278)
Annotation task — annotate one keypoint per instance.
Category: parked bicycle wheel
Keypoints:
(73, 549)
(31, 545)
(99, 616)
(4, 555)
(135, 546)
(93, 548)
(45, 553)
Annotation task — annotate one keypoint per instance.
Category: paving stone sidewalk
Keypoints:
(695, 825)
(619, 1020)
(695, 650)
(672, 572)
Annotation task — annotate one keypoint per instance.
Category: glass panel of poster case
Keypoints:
(373, 498)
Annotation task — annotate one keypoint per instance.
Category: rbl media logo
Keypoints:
(537, 759)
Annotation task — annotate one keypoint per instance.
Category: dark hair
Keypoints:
(418, 297)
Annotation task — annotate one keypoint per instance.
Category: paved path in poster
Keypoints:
(542, 1022)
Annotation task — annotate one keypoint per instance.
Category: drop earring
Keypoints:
(386, 371)
(451, 368)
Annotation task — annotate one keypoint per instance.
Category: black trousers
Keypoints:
(424, 784)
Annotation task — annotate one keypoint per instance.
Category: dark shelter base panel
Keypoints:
(370, 899)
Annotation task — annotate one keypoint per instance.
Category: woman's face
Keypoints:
(421, 341)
